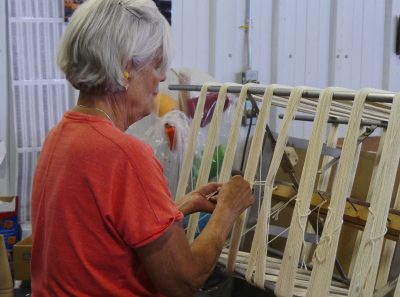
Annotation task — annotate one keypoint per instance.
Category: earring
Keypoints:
(126, 75)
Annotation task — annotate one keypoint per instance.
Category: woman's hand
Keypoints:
(198, 200)
(235, 196)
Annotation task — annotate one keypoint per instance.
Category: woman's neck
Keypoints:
(104, 106)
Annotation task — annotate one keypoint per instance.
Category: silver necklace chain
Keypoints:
(96, 108)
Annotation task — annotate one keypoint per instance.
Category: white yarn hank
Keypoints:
(367, 262)
(321, 274)
(258, 269)
(286, 278)
(397, 290)
(257, 258)
(340, 109)
(387, 253)
(234, 133)
(250, 171)
(322, 186)
(192, 142)
(208, 152)
(368, 199)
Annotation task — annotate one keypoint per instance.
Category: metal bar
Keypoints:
(275, 230)
(367, 205)
(303, 144)
(333, 120)
(285, 92)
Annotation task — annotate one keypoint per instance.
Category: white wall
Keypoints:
(348, 43)
(319, 43)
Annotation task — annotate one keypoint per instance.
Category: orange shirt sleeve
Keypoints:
(139, 208)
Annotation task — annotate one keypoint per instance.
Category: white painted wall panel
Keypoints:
(293, 41)
(346, 43)
(262, 32)
(358, 43)
(372, 44)
(229, 39)
(302, 48)
(391, 62)
(190, 19)
(318, 45)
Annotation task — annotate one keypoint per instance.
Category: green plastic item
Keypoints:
(216, 163)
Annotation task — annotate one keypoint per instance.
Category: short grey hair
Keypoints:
(103, 36)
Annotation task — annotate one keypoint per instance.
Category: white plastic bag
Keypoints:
(169, 150)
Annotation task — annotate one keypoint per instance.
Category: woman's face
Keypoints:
(143, 88)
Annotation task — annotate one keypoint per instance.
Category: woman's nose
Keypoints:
(163, 77)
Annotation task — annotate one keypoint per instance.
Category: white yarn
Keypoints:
(387, 253)
(234, 132)
(368, 199)
(397, 290)
(277, 236)
(341, 109)
(295, 241)
(257, 258)
(276, 210)
(250, 171)
(320, 278)
(322, 255)
(192, 142)
(367, 261)
(317, 221)
(322, 270)
(208, 152)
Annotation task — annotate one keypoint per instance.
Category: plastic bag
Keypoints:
(168, 136)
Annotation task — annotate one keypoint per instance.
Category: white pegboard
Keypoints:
(39, 92)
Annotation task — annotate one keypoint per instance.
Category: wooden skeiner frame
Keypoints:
(288, 279)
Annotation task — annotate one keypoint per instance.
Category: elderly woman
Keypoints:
(104, 223)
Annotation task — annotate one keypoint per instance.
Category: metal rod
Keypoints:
(285, 92)
(333, 120)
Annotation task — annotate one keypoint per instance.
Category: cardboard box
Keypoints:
(8, 220)
(22, 254)
(347, 243)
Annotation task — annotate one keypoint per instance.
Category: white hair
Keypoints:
(103, 36)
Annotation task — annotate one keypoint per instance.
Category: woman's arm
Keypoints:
(179, 269)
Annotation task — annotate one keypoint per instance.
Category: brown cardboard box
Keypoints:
(347, 242)
(22, 253)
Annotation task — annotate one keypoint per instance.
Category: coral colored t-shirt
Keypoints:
(97, 195)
